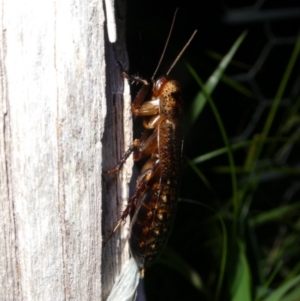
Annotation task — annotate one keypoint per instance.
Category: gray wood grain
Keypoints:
(62, 120)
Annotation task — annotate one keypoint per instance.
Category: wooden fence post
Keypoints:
(62, 123)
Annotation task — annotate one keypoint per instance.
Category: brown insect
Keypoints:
(153, 204)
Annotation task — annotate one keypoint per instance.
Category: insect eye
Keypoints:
(159, 83)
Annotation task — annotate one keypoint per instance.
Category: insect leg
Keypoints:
(147, 173)
(142, 147)
(122, 161)
(133, 78)
(145, 147)
(140, 190)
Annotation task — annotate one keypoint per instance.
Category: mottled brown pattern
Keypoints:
(149, 235)
(156, 202)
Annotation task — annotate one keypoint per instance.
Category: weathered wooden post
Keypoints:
(62, 123)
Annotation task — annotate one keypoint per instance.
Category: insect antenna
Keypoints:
(181, 52)
(166, 45)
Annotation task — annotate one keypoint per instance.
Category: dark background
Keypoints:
(258, 65)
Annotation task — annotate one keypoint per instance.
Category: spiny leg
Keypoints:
(141, 148)
(134, 78)
(122, 161)
(142, 186)
(130, 206)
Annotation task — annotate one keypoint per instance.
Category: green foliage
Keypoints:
(252, 264)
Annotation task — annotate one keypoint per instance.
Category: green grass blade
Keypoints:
(229, 153)
(175, 261)
(275, 214)
(206, 91)
(219, 152)
(241, 285)
(278, 97)
(209, 86)
(240, 145)
(294, 295)
(224, 256)
(198, 172)
(266, 286)
(236, 86)
(278, 294)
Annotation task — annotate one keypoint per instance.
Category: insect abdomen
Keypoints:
(155, 207)
(152, 222)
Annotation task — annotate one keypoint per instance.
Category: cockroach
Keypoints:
(154, 202)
